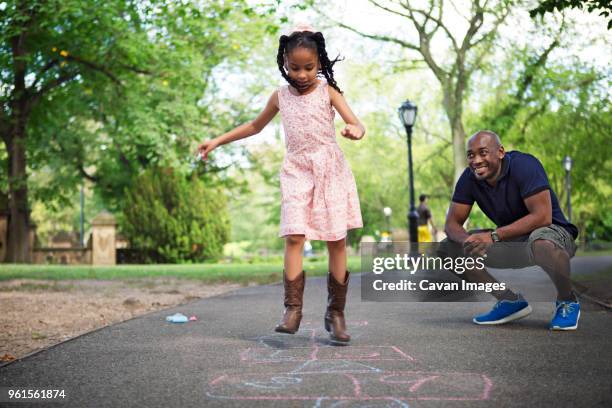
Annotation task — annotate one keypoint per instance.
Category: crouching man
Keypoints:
(512, 189)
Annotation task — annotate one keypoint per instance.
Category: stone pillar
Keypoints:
(369, 247)
(3, 235)
(103, 232)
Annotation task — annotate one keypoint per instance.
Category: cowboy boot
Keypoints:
(294, 293)
(334, 316)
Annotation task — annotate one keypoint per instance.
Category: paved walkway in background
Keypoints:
(402, 355)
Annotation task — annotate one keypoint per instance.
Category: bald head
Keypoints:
(485, 136)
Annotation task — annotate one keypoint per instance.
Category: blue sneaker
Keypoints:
(505, 311)
(566, 315)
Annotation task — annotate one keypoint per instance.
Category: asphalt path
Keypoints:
(403, 354)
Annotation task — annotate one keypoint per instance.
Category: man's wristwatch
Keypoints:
(494, 236)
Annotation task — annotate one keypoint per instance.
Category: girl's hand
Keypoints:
(352, 132)
(206, 147)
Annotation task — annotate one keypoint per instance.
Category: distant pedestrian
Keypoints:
(425, 221)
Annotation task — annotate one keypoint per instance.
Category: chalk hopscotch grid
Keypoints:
(318, 361)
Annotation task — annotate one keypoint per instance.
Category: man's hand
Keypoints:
(352, 132)
(477, 244)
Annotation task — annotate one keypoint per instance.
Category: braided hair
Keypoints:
(313, 41)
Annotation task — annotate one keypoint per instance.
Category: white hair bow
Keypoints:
(302, 27)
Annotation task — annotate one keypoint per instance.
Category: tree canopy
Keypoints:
(100, 90)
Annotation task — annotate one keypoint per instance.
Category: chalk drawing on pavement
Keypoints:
(297, 368)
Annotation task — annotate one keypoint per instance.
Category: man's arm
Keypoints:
(539, 206)
(457, 215)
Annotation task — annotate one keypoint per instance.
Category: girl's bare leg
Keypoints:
(337, 259)
(294, 247)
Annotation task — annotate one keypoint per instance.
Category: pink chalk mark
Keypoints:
(280, 397)
(488, 387)
(373, 355)
(313, 355)
(416, 384)
(355, 356)
(357, 390)
(422, 381)
(356, 385)
(343, 398)
(244, 354)
(486, 393)
(406, 356)
(218, 379)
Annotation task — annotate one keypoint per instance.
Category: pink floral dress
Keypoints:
(318, 191)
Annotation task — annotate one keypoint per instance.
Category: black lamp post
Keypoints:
(407, 114)
(567, 164)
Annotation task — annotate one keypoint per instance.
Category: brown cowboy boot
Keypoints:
(294, 293)
(334, 316)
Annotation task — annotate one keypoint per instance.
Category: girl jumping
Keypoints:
(318, 191)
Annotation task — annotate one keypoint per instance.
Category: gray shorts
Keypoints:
(518, 252)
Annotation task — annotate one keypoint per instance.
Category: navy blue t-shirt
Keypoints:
(522, 176)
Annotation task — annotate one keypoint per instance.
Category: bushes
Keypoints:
(178, 219)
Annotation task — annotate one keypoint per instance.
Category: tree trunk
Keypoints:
(452, 102)
(18, 250)
(459, 155)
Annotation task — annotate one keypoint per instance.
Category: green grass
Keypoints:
(206, 273)
(598, 252)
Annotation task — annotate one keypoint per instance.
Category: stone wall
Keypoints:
(64, 256)
(101, 249)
